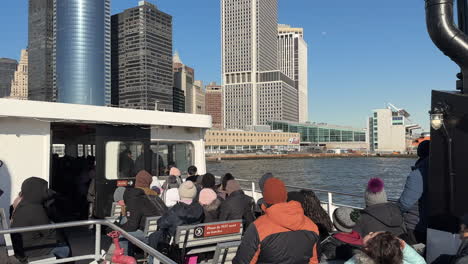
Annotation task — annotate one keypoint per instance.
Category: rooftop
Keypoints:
(74, 113)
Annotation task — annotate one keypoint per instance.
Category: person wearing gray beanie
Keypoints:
(187, 191)
(263, 179)
(379, 214)
(119, 194)
(375, 192)
(342, 219)
(261, 184)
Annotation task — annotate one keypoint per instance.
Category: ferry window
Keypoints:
(58, 149)
(123, 159)
(169, 154)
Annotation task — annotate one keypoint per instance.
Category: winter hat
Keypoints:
(232, 186)
(119, 194)
(274, 191)
(208, 181)
(175, 171)
(375, 192)
(263, 179)
(342, 219)
(207, 196)
(143, 179)
(187, 190)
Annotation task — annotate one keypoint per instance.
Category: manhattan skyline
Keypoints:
(361, 55)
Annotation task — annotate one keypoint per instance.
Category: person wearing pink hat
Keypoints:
(210, 203)
(176, 172)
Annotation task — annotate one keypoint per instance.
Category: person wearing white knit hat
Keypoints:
(379, 214)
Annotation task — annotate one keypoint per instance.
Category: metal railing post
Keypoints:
(330, 204)
(254, 195)
(97, 246)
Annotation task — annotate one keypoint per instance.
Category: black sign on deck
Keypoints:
(199, 231)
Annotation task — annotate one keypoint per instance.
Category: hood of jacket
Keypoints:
(289, 215)
(386, 213)
(35, 191)
(143, 179)
(212, 206)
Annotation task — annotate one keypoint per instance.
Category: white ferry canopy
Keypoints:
(64, 113)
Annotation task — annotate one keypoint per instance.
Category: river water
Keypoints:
(347, 175)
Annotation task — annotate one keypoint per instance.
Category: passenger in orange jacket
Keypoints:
(282, 235)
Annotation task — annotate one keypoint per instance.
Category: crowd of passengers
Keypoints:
(282, 227)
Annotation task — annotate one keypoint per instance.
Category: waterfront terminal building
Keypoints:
(390, 131)
(221, 141)
(325, 135)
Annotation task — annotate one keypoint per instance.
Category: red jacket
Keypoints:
(283, 235)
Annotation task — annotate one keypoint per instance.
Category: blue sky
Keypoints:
(362, 54)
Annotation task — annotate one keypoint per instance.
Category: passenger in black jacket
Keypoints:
(31, 211)
(138, 207)
(379, 214)
(185, 212)
(237, 205)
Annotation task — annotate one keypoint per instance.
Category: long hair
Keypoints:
(313, 209)
(384, 248)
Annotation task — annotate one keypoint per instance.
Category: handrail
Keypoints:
(314, 190)
(305, 188)
(146, 248)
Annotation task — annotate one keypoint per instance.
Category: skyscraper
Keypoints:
(292, 61)
(178, 100)
(82, 51)
(40, 49)
(19, 86)
(255, 90)
(7, 72)
(184, 79)
(142, 58)
(199, 98)
(214, 104)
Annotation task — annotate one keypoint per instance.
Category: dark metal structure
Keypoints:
(448, 177)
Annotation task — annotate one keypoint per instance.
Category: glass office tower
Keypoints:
(82, 51)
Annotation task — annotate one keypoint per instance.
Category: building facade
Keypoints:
(19, 86)
(389, 131)
(254, 89)
(292, 61)
(214, 104)
(178, 100)
(142, 58)
(7, 73)
(184, 79)
(325, 135)
(199, 98)
(220, 141)
(40, 50)
(82, 61)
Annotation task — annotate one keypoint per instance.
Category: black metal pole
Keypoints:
(462, 7)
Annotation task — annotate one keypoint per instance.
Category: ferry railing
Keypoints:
(330, 195)
(97, 253)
